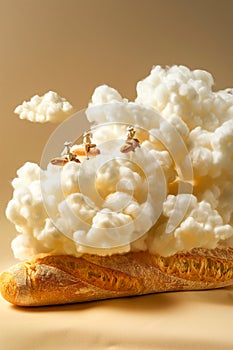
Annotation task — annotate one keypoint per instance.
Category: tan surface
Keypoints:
(71, 46)
(175, 321)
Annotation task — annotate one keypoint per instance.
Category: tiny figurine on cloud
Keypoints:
(87, 148)
(131, 142)
(71, 153)
(66, 156)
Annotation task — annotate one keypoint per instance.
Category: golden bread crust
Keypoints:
(62, 279)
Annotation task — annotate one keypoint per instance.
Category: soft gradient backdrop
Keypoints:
(72, 46)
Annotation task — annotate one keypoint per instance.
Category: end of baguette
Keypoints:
(15, 285)
(8, 287)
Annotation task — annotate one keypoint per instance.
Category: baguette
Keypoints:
(63, 279)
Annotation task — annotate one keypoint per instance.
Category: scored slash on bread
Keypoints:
(63, 279)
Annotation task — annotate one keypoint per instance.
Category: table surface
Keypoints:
(181, 320)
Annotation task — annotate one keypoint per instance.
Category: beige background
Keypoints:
(72, 46)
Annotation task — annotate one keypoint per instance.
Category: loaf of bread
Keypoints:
(62, 279)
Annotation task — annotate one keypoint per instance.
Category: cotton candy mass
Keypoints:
(118, 202)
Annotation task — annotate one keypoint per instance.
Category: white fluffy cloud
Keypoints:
(189, 112)
(47, 108)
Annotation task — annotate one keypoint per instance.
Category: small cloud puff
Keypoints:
(47, 108)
